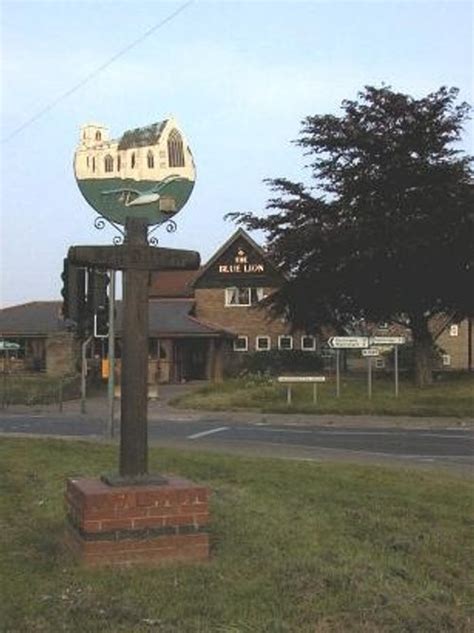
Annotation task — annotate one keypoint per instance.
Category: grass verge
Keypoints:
(296, 548)
(451, 396)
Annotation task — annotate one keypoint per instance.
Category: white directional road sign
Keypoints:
(301, 379)
(370, 352)
(348, 342)
(387, 340)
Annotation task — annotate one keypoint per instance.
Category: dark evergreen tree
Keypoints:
(384, 232)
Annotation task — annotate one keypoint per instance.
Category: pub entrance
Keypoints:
(191, 359)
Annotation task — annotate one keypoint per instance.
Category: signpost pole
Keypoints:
(338, 374)
(84, 373)
(396, 370)
(134, 401)
(315, 393)
(111, 354)
(369, 376)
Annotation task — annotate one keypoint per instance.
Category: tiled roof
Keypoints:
(167, 317)
(173, 283)
(142, 136)
(36, 317)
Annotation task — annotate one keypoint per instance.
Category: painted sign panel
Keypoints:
(148, 172)
(348, 342)
(387, 340)
(370, 352)
(290, 379)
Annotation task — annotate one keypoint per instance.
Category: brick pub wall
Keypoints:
(457, 346)
(244, 321)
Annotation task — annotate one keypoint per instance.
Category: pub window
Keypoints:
(98, 136)
(132, 161)
(108, 163)
(243, 296)
(262, 343)
(241, 344)
(446, 358)
(285, 342)
(175, 149)
(454, 330)
(150, 159)
(308, 343)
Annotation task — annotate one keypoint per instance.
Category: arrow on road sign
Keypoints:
(348, 342)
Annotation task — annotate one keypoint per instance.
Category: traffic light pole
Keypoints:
(111, 383)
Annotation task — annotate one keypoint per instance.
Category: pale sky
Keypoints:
(239, 77)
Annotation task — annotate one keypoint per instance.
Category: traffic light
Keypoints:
(98, 301)
(73, 292)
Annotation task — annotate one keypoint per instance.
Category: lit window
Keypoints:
(446, 359)
(262, 343)
(454, 330)
(132, 161)
(308, 343)
(285, 342)
(175, 149)
(243, 296)
(241, 344)
(108, 163)
(98, 136)
(150, 159)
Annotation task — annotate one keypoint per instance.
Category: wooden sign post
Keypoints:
(137, 259)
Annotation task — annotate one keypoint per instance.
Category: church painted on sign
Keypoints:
(148, 171)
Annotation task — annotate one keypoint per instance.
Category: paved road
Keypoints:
(441, 445)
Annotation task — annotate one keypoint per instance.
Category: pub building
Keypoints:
(201, 324)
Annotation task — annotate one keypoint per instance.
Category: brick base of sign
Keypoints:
(136, 525)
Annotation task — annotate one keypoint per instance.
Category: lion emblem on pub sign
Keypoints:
(148, 172)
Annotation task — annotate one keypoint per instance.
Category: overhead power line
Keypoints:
(96, 72)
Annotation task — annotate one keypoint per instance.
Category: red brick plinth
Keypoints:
(136, 525)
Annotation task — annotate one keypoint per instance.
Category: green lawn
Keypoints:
(297, 547)
(449, 396)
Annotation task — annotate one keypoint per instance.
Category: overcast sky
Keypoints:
(239, 77)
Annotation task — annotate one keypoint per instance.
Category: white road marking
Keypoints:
(195, 436)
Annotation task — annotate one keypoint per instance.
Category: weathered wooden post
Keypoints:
(134, 432)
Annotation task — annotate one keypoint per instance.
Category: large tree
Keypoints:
(384, 230)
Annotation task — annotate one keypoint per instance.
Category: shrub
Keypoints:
(276, 362)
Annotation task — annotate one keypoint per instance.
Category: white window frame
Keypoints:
(383, 325)
(446, 358)
(230, 290)
(263, 349)
(454, 330)
(285, 336)
(246, 339)
(313, 346)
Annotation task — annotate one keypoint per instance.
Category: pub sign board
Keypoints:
(240, 263)
(148, 172)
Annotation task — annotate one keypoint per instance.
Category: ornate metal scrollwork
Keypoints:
(99, 223)
(171, 226)
(153, 241)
